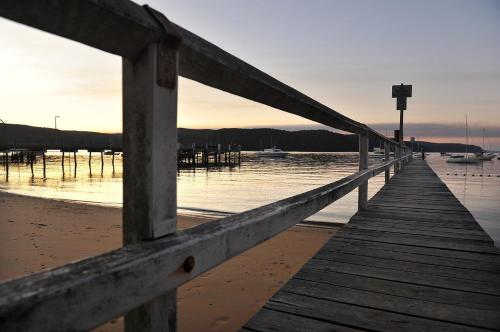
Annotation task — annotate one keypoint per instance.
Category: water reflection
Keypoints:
(477, 186)
(257, 181)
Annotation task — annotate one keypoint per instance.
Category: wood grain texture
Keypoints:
(398, 266)
(150, 173)
(125, 28)
(80, 294)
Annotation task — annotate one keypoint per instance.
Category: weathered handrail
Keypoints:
(156, 259)
(125, 28)
(85, 294)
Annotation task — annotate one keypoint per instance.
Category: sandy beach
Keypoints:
(38, 234)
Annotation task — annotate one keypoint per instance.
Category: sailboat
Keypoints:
(485, 155)
(465, 159)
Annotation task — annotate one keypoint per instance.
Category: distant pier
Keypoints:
(193, 156)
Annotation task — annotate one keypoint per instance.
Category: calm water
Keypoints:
(256, 182)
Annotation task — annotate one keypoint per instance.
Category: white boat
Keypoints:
(377, 153)
(272, 152)
(464, 159)
(485, 155)
(467, 159)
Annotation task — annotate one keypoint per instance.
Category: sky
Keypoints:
(345, 54)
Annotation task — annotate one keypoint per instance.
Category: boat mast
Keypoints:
(466, 137)
(484, 133)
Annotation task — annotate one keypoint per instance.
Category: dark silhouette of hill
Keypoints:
(36, 138)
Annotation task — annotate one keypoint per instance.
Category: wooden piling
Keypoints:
(7, 165)
(397, 155)
(74, 159)
(31, 157)
(62, 163)
(90, 163)
(44, 165)
(102, 162)
(363, 164)
(113, 162)
(387, 156)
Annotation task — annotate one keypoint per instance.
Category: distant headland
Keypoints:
(22, 136)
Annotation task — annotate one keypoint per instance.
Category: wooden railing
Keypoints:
(140, 279)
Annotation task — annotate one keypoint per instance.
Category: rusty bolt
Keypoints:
(188, 264)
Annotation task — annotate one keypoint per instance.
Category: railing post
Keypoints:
(397, 155)
(363, 164)
(387, 156)
(150, 170)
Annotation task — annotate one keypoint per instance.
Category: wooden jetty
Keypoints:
(140, 279)
(206, 155)
(414, 260)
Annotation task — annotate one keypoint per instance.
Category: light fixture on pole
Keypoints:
(401, 92)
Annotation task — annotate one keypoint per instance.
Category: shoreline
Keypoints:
(184, 211)
(37, 234)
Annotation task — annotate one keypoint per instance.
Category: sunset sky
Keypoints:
(345, 54)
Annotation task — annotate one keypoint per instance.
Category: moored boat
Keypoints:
(485, 155)
(272, 152)
(464, 159)
(461, 159)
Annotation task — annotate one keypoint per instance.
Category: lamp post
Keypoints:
(55, 121)
(401, 92)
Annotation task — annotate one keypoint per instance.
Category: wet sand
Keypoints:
(38, 234)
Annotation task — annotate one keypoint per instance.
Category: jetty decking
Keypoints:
(415, 259)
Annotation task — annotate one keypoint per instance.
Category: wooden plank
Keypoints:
(405, 230)
(432, 266)
(483, 318)
(407, 254)
(269, 320)
(356, 316)
(454, 228)
(137, 273)
(403, 289)
(493, 260)
(417, 278)
(419, 240)
(150, 173)
(397, 215)
(418, 208)
(126, 29)
(150, 151)
(491, 278)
